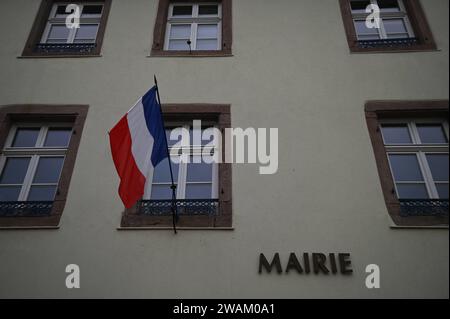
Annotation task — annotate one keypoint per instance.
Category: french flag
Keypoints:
(138, 144)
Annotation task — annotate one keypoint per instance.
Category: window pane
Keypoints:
(207, 44)
(58, 31)
(61, 10)
(396, 134)
(365, 33)
(26, 137)
(359, 6)
(9, 193)
(208, 10)
(394, 26)
(199, 172)
(48, 170)
(431, 134)
(58, 137)
(161, 192)
(388, 5)
(198, 191)
(92, 10)
(182, 11)
(203, 141)
(412, 191)
(439, 166)
(15, 170)
(442, 190)
(178, 45)
(87, 31)
(398, 36)
(207, 31)
(180, 31)
(162, 172)
(405, 167)
(42, 193)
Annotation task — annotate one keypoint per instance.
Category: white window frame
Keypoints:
(193, 150)
(34, 153)
(402, 14)
(194, 21)
(416, 147)
(55, 20)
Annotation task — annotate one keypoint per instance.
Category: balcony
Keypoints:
(185, 207)
(61, 48)
(388, 43)
(26, 209)
(424, 207)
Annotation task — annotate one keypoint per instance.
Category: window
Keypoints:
(50, 35)
(402, 26)
(410, 141)
(191, 28)
(203, 186)
(36, 160)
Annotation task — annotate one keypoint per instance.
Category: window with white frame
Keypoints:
(194, 26)
(418, 156)
(394, 21)
(196, 178)
(32, 160)
(57, 32)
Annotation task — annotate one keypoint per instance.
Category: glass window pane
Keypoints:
(26, 137)
(161, 192)
(203, 141)
(61, 10)
(178, 45)
(182, 11)
(412, 191)
(14, 170)
(388, 5)
(442, 190)
(398, 36)
(439, 166)
(369, 37)
(42, 193)
(92, 10)
(359, 6)
(58, 137)
(212, 9)
(207, 31)
(361, 28)
(48, 170)
(58, 31)
(87, 31)
(405, 167)
(394, 26)
(9, 193)
(198, 191)
(207, 44)
(432, 134)
(180, 31)
(161, 173)
(396, 134)
(199, 172)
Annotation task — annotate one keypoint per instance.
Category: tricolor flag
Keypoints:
(138, 144)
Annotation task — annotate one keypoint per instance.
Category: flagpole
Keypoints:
(173, 186)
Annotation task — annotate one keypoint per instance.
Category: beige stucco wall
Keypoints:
(291, 69)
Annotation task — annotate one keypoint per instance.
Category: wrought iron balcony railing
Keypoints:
(83, 48)
(387, 43)
(26, 209)
(424, 207)
(209, 207)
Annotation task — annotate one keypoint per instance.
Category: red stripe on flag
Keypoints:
(132, 182)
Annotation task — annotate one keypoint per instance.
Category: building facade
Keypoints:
(362, 174)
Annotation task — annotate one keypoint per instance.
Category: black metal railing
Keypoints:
(424, 207)
(209, 207)
(387, 43)
(83, 48)
(26, 209)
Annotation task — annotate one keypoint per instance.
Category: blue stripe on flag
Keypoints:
(152, 113)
